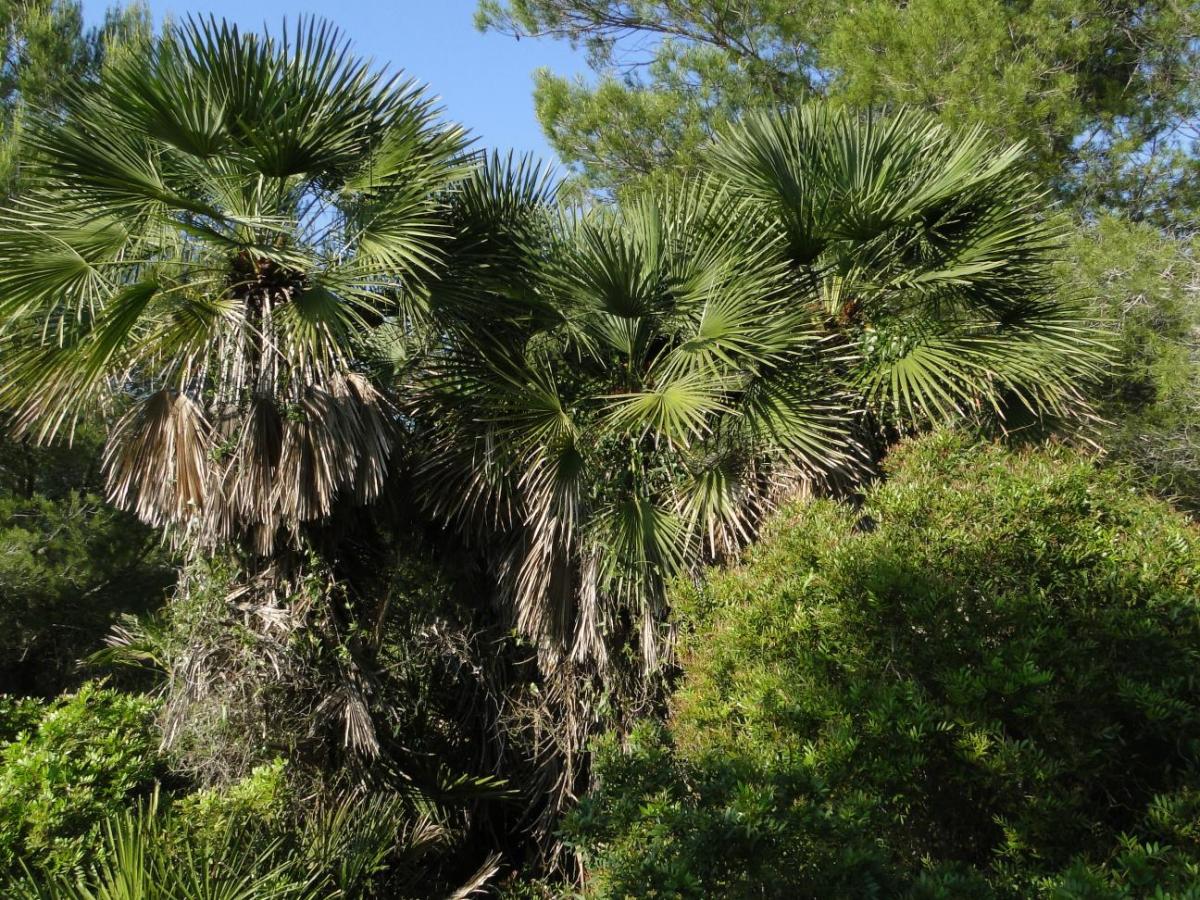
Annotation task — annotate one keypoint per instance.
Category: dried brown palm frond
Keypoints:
(476, 884)
(253, 468)
(165, 434)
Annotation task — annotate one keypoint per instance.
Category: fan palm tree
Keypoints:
(636, 422)
(926, 255)
(832, 279)
(214, 233)
(618, 409)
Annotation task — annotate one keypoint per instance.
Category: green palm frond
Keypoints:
(498, 221)
(142, 858)
(680, 411)
(929, 252)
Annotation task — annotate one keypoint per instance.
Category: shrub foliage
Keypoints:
(65, 767)
(981, 683)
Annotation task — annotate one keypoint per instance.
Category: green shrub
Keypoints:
(984, 682)
(261, 798)
(18, 715)
(70, 563)
(67, 769)
(145, 854)
(360, 847)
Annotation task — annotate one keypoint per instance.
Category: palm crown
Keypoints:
(605, 449)
(216, 229)
(927, 255)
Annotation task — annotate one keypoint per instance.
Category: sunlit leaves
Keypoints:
(930, 256)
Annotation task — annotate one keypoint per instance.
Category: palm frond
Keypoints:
(930, 254)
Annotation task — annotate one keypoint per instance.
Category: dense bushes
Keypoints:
(981, 683)
(64, 768)
(87, 808)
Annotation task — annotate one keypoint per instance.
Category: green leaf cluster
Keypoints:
(45, 52)
(71, 565)
(65, 767)
(1146, 286)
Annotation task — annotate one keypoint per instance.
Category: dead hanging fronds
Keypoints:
(551, 727)
(167, 436)
(254, 467)
(376, 435)
(259, 471)
(348, 702)
(336, 441)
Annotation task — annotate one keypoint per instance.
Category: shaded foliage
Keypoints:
(69, 568)
(71, 565)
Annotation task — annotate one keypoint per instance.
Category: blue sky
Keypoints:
(485, 80)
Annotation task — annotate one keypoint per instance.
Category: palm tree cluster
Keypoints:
(286, 283)
(713, 342)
